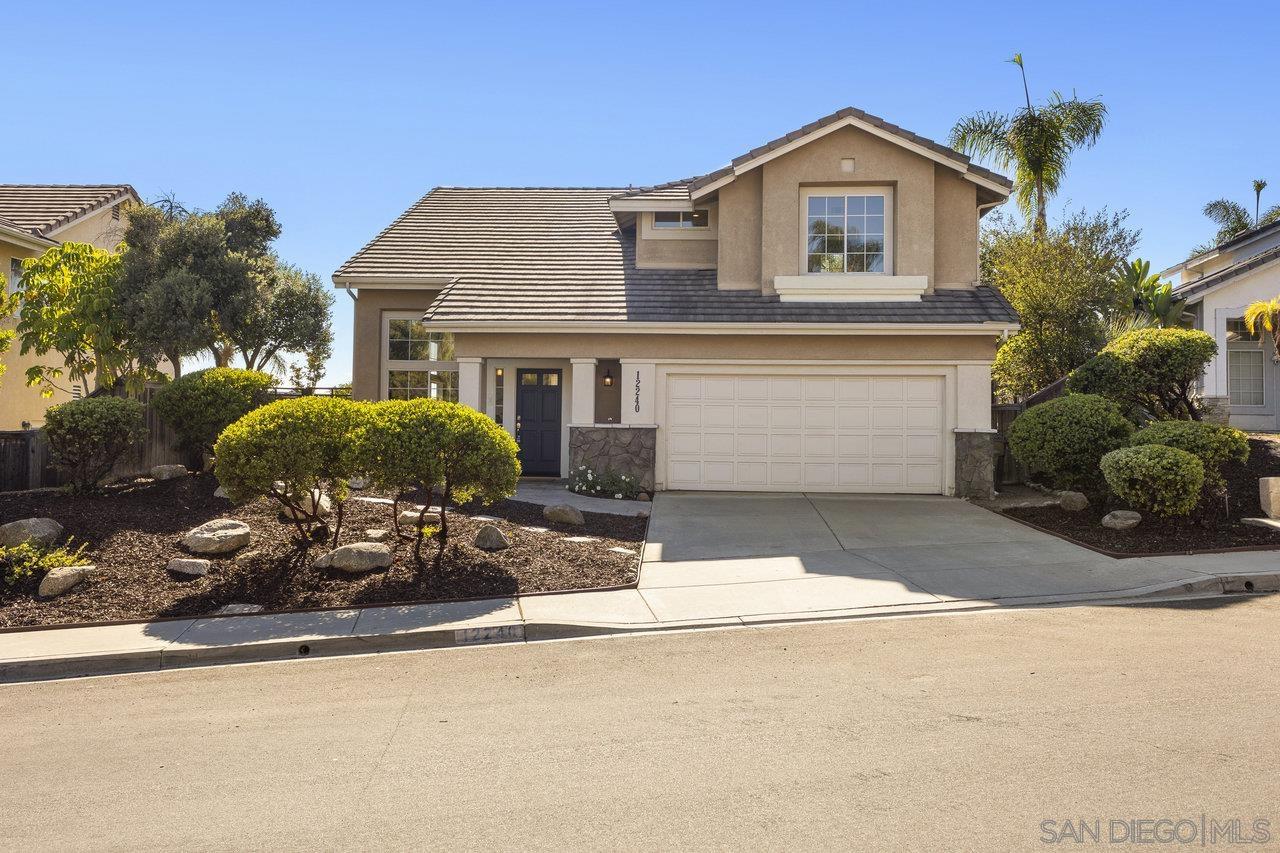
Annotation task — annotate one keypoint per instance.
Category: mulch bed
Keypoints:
(1221, 531)
(132, 531)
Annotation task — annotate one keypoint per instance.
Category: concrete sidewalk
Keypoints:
(710, 561)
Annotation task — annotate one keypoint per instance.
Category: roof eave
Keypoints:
(25, 238)
(987, 327)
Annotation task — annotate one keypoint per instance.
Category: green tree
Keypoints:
(1151, 297)
(69, 307)
(8, 307)
(1063, 285)
(1035, 141)
(1232, 217)
(289, 315)
(1264, 316)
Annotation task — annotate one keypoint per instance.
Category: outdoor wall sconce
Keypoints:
(608, 378)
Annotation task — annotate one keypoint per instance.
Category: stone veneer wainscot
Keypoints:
(620, 448)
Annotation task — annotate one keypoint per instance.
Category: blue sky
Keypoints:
(340, 115)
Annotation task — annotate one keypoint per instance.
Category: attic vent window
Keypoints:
(115, 212)
(682, 219)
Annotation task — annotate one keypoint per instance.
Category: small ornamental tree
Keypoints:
(292, 449)
(88, 436)
(200, 405)
(1151, 372)
(479, 462)
(1213, 445)
(1155, 478)
(1064, 438)
(399, 450)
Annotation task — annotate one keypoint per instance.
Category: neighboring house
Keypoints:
(1218, 285)
(806, 318)
(33, 218)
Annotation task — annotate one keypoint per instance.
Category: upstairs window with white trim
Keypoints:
(1246, 372)
(848, 231)
(682, 219)
(417, 362)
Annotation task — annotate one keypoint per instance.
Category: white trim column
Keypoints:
(638, 382)
(470, 375)
(583, 409)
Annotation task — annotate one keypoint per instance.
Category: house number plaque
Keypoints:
(637, 406)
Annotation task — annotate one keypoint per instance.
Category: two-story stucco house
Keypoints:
(1218, 285)
(34, 218)
(808, 317)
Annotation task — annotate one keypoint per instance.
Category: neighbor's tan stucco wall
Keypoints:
(780, 348)
(955, 230)
(366, 347)
(877, 162)
(740, 235)
(97, 229)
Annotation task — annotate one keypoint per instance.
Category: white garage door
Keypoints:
(813, 433)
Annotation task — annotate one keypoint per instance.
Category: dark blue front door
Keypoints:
(538, 421)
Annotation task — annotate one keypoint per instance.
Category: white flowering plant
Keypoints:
(584, 480)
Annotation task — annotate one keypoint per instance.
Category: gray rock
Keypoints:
(1269, 495)
(41, 532)
(236, 607)
(1073, 501)
(314, 503)
(60, 580)
(490, 538)
(409, 517)
(220, 536)
(168, 472)
(378, 534)
(358, 483)
(190, 566)
(220, 493)
(356, 557)
(1121, 519)
(563, 514)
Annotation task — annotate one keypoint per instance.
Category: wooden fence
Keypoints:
(1008, 469)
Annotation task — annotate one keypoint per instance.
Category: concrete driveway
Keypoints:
(743, 554)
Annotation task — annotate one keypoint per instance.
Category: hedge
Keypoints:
(1213, 445)
(88, 436)
(200, 405)
(1064, 439)
(1162, 480)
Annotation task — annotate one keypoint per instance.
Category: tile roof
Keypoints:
(40, 208)
(558, 255)
(1196, 288)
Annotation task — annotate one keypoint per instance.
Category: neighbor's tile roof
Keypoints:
(1194, 290)
(558, 255)
(39, 208)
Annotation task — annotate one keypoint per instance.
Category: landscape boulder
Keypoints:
(563, 514)
(1121, 519)
(490, 538)
(190, 566)
(312, 503)
(168, 472)
(220, 536)
(409, 517)
(378, 534)
(220, 492)
(41, 532)
(1073, 501)
(356, 557)
(1269, 496)
(62, 579)
(358, 483)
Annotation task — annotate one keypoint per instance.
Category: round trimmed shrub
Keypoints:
(1063, 439)
(1153, 370)
(290, 448)
(87, 437)
(200, 405)
(1162, 480)
(1212, 444)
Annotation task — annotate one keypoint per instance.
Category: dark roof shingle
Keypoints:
(558, 255)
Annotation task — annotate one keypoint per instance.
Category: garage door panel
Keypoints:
(816, 432)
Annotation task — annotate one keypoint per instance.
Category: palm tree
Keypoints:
(1258, 186)
(1036, 142)
(1262, 317)
(1232, 217)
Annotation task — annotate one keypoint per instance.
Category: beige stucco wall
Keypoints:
(740, 237)
(98, 229)
(366, 349)
(780, 348)
(673, 249)
(877, 162)
(955, 229)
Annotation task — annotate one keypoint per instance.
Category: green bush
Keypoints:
(200, 405)
(585, 480)
(1152, 372)
(1213, 445)
(87, 437)
(1163, 480)
(291, 448)
(398, 450)
(24, 564)
(1064, 438)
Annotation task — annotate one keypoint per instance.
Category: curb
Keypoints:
(173, 656)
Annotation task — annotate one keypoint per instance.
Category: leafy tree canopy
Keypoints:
(1064, 287)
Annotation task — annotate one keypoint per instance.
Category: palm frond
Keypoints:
(1081, 122)
(1227, 214)
(1271, 214)
(983, 135)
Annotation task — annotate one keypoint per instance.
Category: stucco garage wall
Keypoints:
(366, 346)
